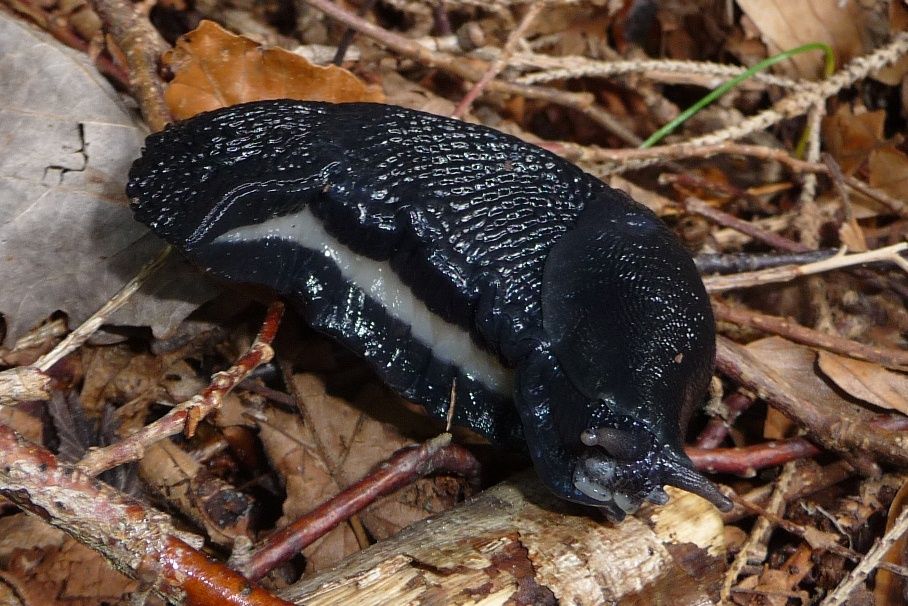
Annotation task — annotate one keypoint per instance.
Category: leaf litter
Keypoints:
(333, 435)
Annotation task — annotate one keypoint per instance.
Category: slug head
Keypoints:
(631, 329)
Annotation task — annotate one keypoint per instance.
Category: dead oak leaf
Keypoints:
(214, 68)
(889, 171)
(337, 444)
(867, 381)
(851, 138)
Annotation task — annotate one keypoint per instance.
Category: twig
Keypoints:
(582, 102)
(885, 356)
(888, 254)
(838, 180)
(760, 532)
(746, 461)
(80, 335)
(723, 218)
(574, 66)
(735, 263)
(23, 384)
(404, 466)
(501, 60)
(840, 594)
(839, 431)
(185, 416)
(137, 540)
(143, 47)
(638, 158)
(349, 34)
(894, 204)
(716, 429)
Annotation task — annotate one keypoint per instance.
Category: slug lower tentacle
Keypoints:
(570, 319)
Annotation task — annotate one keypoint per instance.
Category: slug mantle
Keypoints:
(571, 320)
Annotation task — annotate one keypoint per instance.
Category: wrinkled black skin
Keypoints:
(581, 290)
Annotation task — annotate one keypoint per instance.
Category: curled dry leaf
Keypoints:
(851, 138)
(214, 68)
(784, 25)
(889, 588)
(867, 381)
(67, 240)
(337, 444)
(889, 171)
(54, 569)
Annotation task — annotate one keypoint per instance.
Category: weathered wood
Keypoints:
(517, 544)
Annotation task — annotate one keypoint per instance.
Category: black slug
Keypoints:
(569, 317)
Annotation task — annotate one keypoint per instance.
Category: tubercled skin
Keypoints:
(571, 320)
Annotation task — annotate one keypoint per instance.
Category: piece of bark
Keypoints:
(518, 544)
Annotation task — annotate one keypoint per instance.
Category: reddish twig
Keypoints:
(885, 356)
(500, 61)
(137, 540)
(715, 215)
(469, 69)
(437, 455)
(59, 29)
(840, 431)
(186, 416)
(716, 429)
(143, 47)
(747, 460)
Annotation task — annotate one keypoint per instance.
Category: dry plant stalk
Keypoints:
(138, 541)
(786, 273)
(184, 417)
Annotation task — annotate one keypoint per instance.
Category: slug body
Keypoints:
(568, 316)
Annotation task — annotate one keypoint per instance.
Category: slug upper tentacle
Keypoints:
(570, 319)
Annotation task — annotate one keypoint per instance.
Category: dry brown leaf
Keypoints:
(889, 587)
(67, 240)
(889, 171)
(214, 68)
(55, 569)
(867, 381)
(898, 22)
(117, 374)
(784, 25)
(851, 138)
(795, 365)
(354, 442)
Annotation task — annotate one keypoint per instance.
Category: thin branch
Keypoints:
(185, 416)
(143, 47)
(890, 254)
(840, 594)
(702, 208)
(406, 465)
(760, 533)
(885, 356)
(137, 540)
(501, 60)
(80, 335)
(709, 74)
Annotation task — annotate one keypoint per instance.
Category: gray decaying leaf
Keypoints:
(67, 239)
